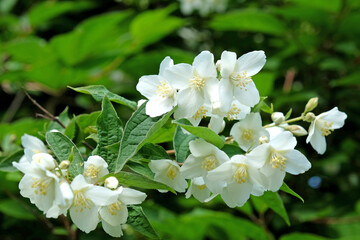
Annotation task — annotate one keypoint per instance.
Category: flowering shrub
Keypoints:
(252, 160)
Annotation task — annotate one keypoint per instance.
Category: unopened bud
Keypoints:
(309, 117)
(218, 65)
(311, 104)
(296, 130)
(111, 183)
(263, 139)
(64, 164)
(278, 117)
(140, 102)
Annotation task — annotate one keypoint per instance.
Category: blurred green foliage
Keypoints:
(312, 49)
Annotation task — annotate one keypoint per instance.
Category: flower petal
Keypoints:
(158, 106)
(192, 167)
(85, 220)
(201, 148)
(114, 214)
(179, 75)
(204, 65)
(226, 91)
(283, 142)
(147, 85)
(276, 180)
(114, 231)
(248, 95)
(228, 61)
(189, 101)
(235, 194)
(166, 63)
(101, 196)
(336, 117)
(131, 196)
(251, 62)
(318, 142)
(296, 162)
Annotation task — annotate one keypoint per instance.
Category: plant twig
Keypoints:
(72, 233)
(88, 145)
(170, 152)
(47, 115)
(14, 106)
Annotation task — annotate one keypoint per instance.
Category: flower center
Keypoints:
(327, 129)
(40, 185)
(113, 208)
(209, 163)
(92, 171)
(171, 172)
(81, 202)
(278, 161)
(196, 82)
(233, 112)
(201, 187)
(164, 90)
(241, 79)
(240, 175)
(247, 135)
(201, 113)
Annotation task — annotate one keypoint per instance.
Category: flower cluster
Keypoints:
(226, 90)
(48, 185)
(204, 7)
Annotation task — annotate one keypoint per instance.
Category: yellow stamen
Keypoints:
(233, 112)
(172, 172)
(209, 163)
(164, 90)
(247, 135)
(92, 171)
(196, 82)
(81, 202)
(201, 187)
(201, 113)
(240, 175)
(278, 161)
(40, 186)
(241, 79)
(113, 208)
(327, 129)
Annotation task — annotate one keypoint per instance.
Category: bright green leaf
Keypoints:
(274, 201)
(181, 144)
(288, 190)
(139, 222)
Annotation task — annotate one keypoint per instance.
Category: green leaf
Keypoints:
(165, 134)
(264, 82)
(6, 163)
(232, 150)
(135, 180)
(181, 144)
(44, 11)
(150, 26)
(288, 114)
(262, 106)
(98, 92)
(202, 132)
(288, 190)
(14, 209)
(302, 236)
(140, 169)
(137, 132)
(63, 148)
(350, 80)
(109, 130)
(63, 118)
(138, 220)
(274, 201)
(151, 151)
(248, 20)
(331, 6)
(81, 126)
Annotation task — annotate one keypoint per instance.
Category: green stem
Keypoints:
(288, 121)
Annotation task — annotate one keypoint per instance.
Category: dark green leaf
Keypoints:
(274, 201)
(302, 236)
(287, 189)
(98, 92)
(63, 148)
(232, 150)
(63, 118)
(14, 209)
(202, 132)
(6, 163)
(137, 132)
(139, 222)
(181, 144)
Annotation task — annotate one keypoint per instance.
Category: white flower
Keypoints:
(248, 131)
(235, 180)
(188, 6)
(115, 214)
(168, 172)
(63, 200)
(161, 94)
(322, 126)
(276, 130)
(277, 117)
(278, 157)
(236, 77)
(203, 6)
(194, 82)
(39, 184)
(88, 199)
(111, 182)
(95, 168)
(32, 145)
(204, 157)
(199, 190)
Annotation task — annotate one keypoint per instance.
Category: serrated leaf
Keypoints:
(63, 148)
(138, 220)
(109, 131)
(181, 144)
(98, 92)
(288, 114)
(137, 132)
(205, 133)
(135, 180)
(6, 163)
(81, 126)
(274, 201)
(288, 190)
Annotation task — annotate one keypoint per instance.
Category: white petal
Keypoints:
(318, 142)
(204, 64)
(179, 75)
(228, 61)
(79, 183)
(276, 180)
(85, 220)
(226, 91)
(259, 155)
(33, 143)
(336, 117)
(283, 142)
(158, 106)
(166, 63)
(217, 179)
(296, 162)
(248, 95)
(251, 62)
(235, 194)
(189, 101)
(114, 231)
(101, 196)
(157, 166)
(112, 215)
(131, 196)
(192, 167)
(216, 123)
(147, 85)
(201, 148)
(96, 161)
(311, 131)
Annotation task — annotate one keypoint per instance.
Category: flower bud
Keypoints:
(45, 160)
(309, 117)
(263, 139)
(311, 104)
(218, 65)
(111, 183)
(278, 117)
(64, 164)
(296, 130)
